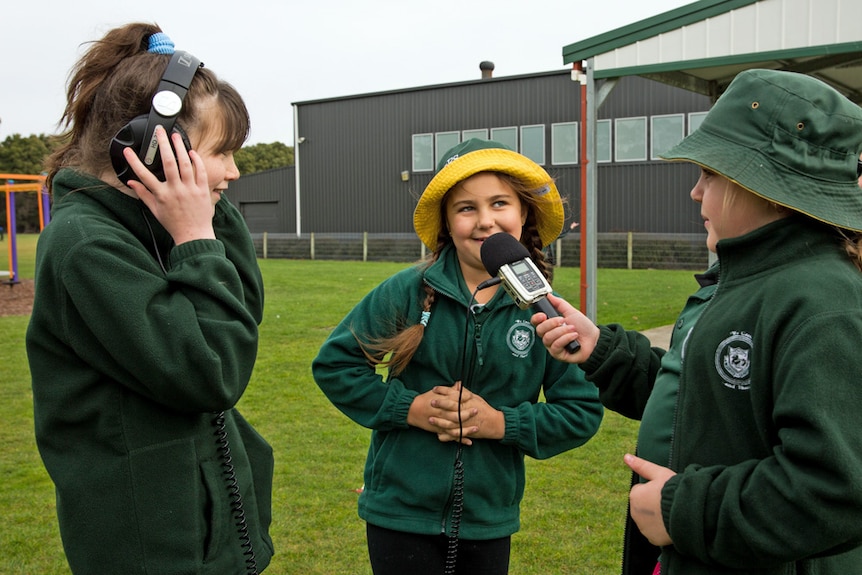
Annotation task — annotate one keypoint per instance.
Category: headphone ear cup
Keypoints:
(131, 136)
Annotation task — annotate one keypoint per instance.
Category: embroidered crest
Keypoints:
(733, 360)
(521, 337)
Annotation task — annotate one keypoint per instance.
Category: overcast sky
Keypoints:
(277, 52)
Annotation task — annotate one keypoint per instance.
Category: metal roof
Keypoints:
(703, 45)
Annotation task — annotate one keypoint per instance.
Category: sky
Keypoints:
(278, 52)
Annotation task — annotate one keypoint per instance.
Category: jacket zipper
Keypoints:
(682, 367)
(447, 507)
(477, 339)
(679, 388)
(479, 357)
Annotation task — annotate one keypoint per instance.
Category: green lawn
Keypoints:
(574, 505)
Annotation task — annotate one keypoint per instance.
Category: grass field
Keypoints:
(574, 506)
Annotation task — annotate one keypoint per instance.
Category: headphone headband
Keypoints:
(168, 101)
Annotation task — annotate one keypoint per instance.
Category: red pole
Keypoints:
(583, 160)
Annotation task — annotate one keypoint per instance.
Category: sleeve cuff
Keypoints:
(600, 352)
(667, 495)
(512, 428)
(402, 408)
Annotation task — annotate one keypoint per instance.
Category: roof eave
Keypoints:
(649, 27)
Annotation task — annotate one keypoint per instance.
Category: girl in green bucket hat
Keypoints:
(750, 449)
(458, 408)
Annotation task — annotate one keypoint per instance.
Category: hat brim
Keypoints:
(836, 203)
(549, 208)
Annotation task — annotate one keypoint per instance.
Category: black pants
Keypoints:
(399, 553)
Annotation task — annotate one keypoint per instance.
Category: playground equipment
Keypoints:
(29, 183)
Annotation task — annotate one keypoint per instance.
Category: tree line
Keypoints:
(26, 155)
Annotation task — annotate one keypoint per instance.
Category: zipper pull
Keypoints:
(477, 337)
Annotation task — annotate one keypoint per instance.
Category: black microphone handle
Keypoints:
(544, 306)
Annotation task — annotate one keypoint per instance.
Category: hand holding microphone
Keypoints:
(507, 259)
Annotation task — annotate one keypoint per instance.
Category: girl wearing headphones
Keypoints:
(144, 329)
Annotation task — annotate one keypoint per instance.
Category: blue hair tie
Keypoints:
(425, 316)
(160, 43)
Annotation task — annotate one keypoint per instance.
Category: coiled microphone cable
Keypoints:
(458, 476)
(229, 474)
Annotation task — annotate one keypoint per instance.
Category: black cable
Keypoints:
(223, 446)
(234, 493)
(458, 477)
(155, 243)
(457, 510)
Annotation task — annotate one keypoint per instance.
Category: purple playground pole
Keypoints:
(46, 206)
(13, 239)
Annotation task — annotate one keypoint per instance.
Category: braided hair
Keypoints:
(396, 351)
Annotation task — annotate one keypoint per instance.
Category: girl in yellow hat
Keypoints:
(458, 408)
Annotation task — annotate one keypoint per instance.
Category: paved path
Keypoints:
(659, 336)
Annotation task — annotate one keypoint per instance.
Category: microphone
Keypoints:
(508, 260)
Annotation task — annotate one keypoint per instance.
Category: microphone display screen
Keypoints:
(504, 256)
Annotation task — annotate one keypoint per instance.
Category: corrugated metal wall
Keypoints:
(356, 148)
(651, 196)
(273, 191)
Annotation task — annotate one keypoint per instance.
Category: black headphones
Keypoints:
(139, 134)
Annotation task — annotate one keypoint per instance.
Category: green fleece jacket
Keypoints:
(764, 430)
(130, 365)
(409, 472)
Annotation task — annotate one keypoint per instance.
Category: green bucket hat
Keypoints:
(473, 156)
(786, 137)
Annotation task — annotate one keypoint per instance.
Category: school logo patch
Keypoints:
(520, 338)
(733, 360)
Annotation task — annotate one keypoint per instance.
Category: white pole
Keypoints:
(296, 169)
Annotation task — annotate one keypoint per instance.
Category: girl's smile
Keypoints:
(475, 209)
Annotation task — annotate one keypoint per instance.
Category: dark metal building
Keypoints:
(361, 164)
(266, 200)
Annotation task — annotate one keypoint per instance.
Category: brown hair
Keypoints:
(851, 240)
(853, 247)
(115, 81)
(395, 352)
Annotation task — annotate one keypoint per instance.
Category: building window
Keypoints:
(564, 143)
(603, 141)
(694, 120)
(667, 131)
(423, 152)
(506, 136)
(630, 144)
(478, 134)
(533, 143)
(445, 141)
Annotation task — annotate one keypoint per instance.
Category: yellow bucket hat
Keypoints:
(473, 156)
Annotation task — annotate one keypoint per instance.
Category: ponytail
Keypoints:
(394, 353)
(114, 82)
(96, 102)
